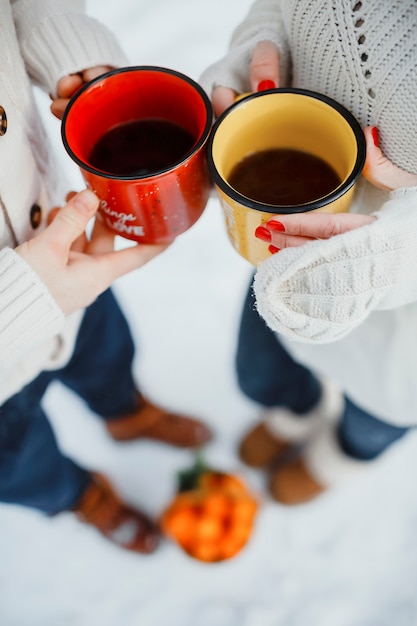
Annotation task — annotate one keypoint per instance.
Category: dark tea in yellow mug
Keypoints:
(282, 151)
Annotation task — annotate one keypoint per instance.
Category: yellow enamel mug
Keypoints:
(294, 119)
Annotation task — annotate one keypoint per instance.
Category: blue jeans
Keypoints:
(33, 471)
(270, 376)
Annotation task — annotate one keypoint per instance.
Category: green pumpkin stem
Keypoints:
(188, 478)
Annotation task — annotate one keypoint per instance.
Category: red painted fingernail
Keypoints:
(273, 249)
(263, 233)
(266, 84)
(375, 136)
(276, 226)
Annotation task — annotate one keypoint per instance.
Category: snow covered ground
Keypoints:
(347, 559)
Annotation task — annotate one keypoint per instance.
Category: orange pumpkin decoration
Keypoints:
(212, 516)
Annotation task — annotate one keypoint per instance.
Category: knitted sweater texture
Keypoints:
(43, 40)
(347, 307)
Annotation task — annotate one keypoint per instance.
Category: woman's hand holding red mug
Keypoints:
(76, 269)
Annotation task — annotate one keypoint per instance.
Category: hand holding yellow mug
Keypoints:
(292, 122)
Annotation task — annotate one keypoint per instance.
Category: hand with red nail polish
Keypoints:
(275, 226)
(379, 170)
(299, 228)
(264, 85)
(263, 233)
(263, 74)
(264, 67)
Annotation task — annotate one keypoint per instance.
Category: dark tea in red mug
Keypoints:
(139, 136)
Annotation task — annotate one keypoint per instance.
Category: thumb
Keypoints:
(379, 170)
(71, 221)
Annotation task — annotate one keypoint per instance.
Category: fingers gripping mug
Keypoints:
(139, 135)
(282, 151)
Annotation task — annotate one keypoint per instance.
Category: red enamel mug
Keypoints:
(139, 136)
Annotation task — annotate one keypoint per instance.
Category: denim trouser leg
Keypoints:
(269, 375)
(362, 435)
(100, 369)
(266, 373)
(33, 471)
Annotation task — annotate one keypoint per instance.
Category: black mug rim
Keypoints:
(133, 68)
(308, 206)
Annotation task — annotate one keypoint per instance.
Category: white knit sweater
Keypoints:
(347, 307)
(43, 40)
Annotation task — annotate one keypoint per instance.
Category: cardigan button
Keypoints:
(3, 121)
(35, 215)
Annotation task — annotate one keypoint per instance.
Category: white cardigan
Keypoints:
(43, 41)
(347, 307)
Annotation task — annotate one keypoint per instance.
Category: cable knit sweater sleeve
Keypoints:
(262, 23)
(319, 292)
(56, 38)
(22, 291)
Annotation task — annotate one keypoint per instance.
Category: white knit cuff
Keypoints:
(320, 291)
(62, 41)
(28, 313)
(232, 71)
(404, 192)
(264, 23)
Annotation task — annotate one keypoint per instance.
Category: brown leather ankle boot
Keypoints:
(260, 448)
(127, 527)
(153, 422)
